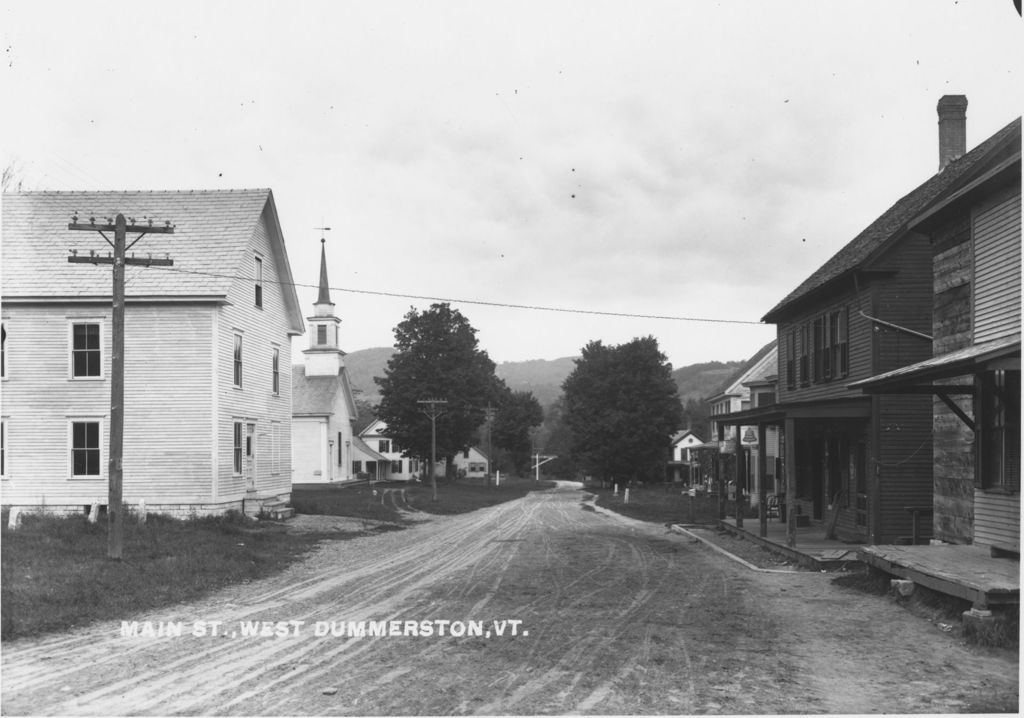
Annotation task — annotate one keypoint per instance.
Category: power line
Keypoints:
(478, 302)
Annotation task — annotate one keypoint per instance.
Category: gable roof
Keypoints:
(893, 222)
(316, 395)
(375, 428)
(363, 448)
(212, 232)
(680, 435)
(763, 364)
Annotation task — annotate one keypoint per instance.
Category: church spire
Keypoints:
(325, 291)
(324, 357)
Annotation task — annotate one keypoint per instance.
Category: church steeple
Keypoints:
(325, 290)
(324, 357)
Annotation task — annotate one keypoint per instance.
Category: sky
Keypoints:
(688, 160)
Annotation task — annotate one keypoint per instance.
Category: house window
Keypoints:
(818, 361)
(85, 448)
(791, 360)
(275, 447)
(85, 350)
(1000, 431)
(3, 351)
(838, 343)
(384, 446)
(238, 361)
(236, 450)
(357, 467)
(275, 369)
(396, 467)
(259, 282)
(805, 373)
(3, 448)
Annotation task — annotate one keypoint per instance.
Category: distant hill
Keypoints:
(703, 381)
(543, 377)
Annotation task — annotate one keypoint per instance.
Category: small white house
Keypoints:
(399, 468)
(683, 464)
(323, 407)
(473, 462)
(207, 411)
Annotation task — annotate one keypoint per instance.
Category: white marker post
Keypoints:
(625, 496)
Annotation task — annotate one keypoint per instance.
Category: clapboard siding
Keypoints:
(166, 429)
(168, 426)
(261, 329)
(906, 301)
(39, 398)
(997, 268)
(859, 348)
(997, 519)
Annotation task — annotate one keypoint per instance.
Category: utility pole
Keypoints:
(489, 418)
(539, 462)
(120, 227)
(433, 412)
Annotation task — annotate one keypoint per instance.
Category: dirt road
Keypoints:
(617, 617)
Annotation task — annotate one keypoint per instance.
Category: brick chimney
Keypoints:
(952, 111)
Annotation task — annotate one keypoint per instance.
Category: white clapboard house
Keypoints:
(208, 402)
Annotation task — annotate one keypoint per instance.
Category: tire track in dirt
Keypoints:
(373, 588)
(622, 619)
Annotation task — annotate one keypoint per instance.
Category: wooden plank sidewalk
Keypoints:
(970, 572)
(812, 549)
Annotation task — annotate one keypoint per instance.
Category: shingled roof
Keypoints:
(893, 222)
(315, 395)
(212, 232)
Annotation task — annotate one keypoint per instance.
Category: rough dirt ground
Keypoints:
(622, 618)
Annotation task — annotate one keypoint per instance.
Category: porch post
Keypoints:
(740, 479)
(719, 476)
(789, 462)
(762, 471)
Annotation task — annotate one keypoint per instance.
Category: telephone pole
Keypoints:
(433, 412)
(120, 227)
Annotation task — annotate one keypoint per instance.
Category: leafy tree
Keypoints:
(622, 408)
(436, 357)
(367, 413)
(518, 413)
(557, 441)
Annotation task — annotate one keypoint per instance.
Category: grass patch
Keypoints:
(56, 574)
(661, 504)
(366, 501)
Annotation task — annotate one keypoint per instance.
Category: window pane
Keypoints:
(85, 448)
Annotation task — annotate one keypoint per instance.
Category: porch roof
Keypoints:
(848, 408)
(917, 378)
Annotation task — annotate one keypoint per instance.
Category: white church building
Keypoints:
(323, 408)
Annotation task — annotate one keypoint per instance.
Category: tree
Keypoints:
(622, 408)
(518, 413)
(436, 357)
(557, 440)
